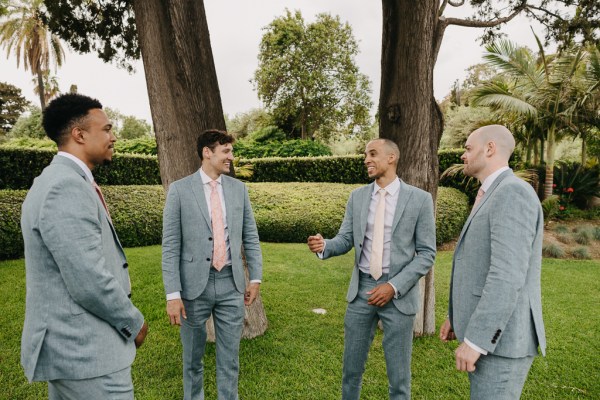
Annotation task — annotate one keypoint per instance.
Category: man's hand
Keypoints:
(466, 357)
(141, 336)
(175, 311)
(316, 243)
(381, 295)
(446, 332)
(251, 293)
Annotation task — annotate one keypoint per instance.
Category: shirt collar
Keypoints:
(207, 179)
(390, 189)
(80, 163)
(490, 179)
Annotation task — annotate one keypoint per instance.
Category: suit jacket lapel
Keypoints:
(365, 202)
(404, 195)
(485, 197)
(198, 191)
(227, 199)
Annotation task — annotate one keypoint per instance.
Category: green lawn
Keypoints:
(300, 356)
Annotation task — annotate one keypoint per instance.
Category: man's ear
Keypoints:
(490, 149)
(77, 135)
(206, 153)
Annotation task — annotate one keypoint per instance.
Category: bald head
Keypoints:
(390, 147)
(500, 136)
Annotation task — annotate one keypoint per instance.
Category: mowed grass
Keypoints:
(300, 356)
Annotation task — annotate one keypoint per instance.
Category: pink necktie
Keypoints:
(218, 228)
(99, 192)
(480, 194)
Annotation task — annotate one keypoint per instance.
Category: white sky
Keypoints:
(236, 30)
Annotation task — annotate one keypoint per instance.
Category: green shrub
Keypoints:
(18, 168)
(143, 145)
(285, 212)
(11, 240)
(136, 212)
(452, 212)
(552, 250)
(30, 143)
(576, 184)
(285, 148)
(340, 169)
(581, 253)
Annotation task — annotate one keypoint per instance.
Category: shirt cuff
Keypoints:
(173, 296)
(475, 347)
(320, 254)
(255, 281)
(396, 294)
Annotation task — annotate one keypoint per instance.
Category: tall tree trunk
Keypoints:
(583, 149)
(40, 82)
(549, 163)
(409, 114)
(183, 91)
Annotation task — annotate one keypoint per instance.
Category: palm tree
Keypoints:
(51, 87)
(536, 89)
(23, 32)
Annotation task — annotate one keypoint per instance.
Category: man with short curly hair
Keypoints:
(81, 328)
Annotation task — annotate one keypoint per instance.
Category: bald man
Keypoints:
(495, 307)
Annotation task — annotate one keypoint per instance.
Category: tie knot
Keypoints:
(480, 192)
(213, 184)
(382, 192)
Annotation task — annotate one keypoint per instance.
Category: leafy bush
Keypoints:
(11, 240)
(583, 236)
(285, 148)
(564, 238)
(452, 213)
(136, 212)
(143, 145)
(552, 250)
(29, 125)
(18, 168)
(285, 212)
(341, 169)
(30, 143)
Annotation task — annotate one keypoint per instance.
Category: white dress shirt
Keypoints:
(485, 185)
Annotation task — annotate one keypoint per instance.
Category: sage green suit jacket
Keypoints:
(495, 292)
(412, 251)
(79, 320)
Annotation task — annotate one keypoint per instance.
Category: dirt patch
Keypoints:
(562, 234)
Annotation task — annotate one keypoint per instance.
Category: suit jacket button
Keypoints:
(498, 332)
(210, 238)
(125, 265)
(493, 341)
(208, 259)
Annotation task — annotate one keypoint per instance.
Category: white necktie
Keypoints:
(375, 264)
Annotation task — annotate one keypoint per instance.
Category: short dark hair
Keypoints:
(64, 112)
(211, 137)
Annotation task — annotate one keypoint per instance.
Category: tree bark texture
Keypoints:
(409, 114)
(184, 95)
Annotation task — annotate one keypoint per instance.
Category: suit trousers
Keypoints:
(115, 386)
(360, 324)
(499, 378)
(226, 304)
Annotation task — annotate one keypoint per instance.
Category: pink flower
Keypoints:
(554, 185)
(561, 208)
(570, 190)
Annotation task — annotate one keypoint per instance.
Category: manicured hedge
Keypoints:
(18, 168)
(285, 212)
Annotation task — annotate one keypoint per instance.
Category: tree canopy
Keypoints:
(12, 105)
(307, 76)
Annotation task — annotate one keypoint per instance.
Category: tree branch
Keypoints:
(483, 24)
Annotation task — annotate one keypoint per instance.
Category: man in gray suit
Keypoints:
(81, 329)
(495, 308)
(207, 219)
(392, 228)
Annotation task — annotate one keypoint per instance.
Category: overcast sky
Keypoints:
(236, 29)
